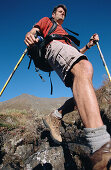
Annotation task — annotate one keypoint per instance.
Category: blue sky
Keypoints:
(17, 18)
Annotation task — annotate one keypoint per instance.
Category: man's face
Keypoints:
(59, 15)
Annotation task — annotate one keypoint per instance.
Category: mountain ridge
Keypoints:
(30, 102)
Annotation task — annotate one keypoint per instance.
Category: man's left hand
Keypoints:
(94, 38)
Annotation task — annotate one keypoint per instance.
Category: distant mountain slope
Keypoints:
(43, 106)
(30, 102)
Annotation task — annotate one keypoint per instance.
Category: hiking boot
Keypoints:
(101, 159)
(53, 123)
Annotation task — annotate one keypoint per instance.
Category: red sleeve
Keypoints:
(42, 23)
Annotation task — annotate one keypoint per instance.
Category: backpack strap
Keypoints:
(37, 70)
(51, 83)
(72, 31)
(54, 26)
(74, 39)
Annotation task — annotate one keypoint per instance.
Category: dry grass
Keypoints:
(104, 94)
(12, 118)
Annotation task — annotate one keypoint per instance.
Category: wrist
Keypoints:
(87, 46)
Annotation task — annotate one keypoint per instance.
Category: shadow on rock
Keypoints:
(109, 165)
(69, 162)
(46, 134)
(106, 120)
(46, 166)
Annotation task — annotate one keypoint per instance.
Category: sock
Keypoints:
(96, 137)
(57, 114)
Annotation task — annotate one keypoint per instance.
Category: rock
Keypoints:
(45, 157)
(28, 146)
(24, 151)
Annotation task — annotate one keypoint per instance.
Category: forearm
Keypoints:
(85, 48)
(94, 38)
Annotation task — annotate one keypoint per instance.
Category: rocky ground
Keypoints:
(25, 143)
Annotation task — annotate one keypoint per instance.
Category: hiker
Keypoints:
(74, 69)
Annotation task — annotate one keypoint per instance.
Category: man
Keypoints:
(75, 71)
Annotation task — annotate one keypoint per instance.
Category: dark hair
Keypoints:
(62, 6)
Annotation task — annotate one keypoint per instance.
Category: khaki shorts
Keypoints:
(62, 57)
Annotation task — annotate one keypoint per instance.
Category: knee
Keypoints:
(83, 69)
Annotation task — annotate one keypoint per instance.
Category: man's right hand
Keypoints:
(30, 39)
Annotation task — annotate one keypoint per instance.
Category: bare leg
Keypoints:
(84, 94)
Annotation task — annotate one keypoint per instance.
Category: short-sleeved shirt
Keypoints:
(45, 24)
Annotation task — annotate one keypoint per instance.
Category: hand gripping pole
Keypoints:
(104, 63)
(24, 53)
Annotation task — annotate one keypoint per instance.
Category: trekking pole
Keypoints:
(104, 63)
(24, 53)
